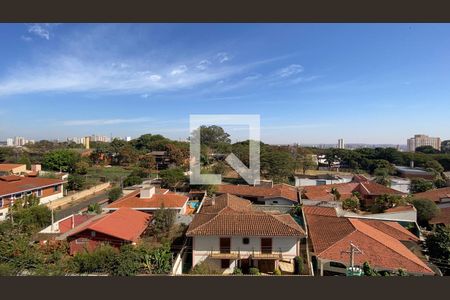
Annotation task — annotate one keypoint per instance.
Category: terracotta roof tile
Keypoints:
(9, 167)
(434, 195)
(378, 240)
(133, 200)
(124, 223)
(278, 190)
(231, 215)
(15, 184)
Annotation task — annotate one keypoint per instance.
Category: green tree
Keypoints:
(131, 180)
(438, 245)
(336, 194)
(171, 177)
(76, 182)
(426, 210)
(434, 166)
(81, 167)
(219, 168)
(61, 160)
(162, 223)
(94, 208)
(427, 150)
(420, 185)
(382, 176)
(277, 165)
(445, 146)
(213, 135)
(385, 202)
(114, 194)
(351, 204)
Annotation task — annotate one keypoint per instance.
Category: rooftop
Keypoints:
(434, 195)
(230, 215)
(162, 197)
(17, 184)
(9, 167)
(380, 241)
(278, 190)
(124, 223)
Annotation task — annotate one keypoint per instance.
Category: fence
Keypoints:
(79, 195)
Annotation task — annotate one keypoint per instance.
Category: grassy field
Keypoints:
(113, 173)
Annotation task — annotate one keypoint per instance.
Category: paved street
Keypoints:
(59, 214)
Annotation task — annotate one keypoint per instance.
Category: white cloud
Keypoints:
(155, 77)
(41, 30)
(26, 38)
(203, 65)
(290, 70)
(223, 57)
(179, 70)
(104, 121)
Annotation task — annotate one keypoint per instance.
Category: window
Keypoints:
(93, 233)
(81, 241)
(225, 263)
(18, 196)
(337, 265)
(245, 241)
(56, 188)
(1, 202)
(39, 193)
(274, 202)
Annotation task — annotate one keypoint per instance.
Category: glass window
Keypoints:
(245, 241)
(56, 188)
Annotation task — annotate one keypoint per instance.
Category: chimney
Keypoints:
(213, 201)
(147, 192)
(411, 164)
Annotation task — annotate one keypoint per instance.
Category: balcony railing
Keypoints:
(228, 253)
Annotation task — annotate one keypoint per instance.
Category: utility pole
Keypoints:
(353, 250)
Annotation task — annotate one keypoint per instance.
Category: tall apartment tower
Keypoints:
(86, 142)
(341, 144)
(423, 140)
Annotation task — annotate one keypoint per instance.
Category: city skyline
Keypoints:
(311, 83)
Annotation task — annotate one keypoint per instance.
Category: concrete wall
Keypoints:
(315, 181)
(277, 201)
(79, 195)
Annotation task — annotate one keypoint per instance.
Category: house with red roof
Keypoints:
(277, 194)
(228, 232)
(123, 226)
(385, 245)
(51, 232)
(442, 199)
(368, 191)
(14, 187)
(149, 199)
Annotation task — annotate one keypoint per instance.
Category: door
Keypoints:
(266, 245)
(225, 245)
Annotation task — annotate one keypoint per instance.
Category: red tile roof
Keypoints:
(434, 195)
(15, 184)
(234, 216)
(133, 200)
(9, 167)
(367, 188)
(319, 210)
(379, 241)
(443, 217)
(278, 190)
(124, 223)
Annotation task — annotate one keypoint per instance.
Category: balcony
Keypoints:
(247, 253)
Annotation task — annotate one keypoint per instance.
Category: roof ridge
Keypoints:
(388, 246)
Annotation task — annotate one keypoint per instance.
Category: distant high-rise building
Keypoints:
(420, 140)
(86, 142)
(9, 142)
(128, 138)
(341, 144)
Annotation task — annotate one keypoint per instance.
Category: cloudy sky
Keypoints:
(310, 83)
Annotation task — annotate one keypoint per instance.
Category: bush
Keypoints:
(237, 271)
(114, 194)
(206, 268)
(351, 204)
(298, 265)
(76, 182)
(420, 185)
(254, 271)
(426, 210)
(277, 271)
(132, 180)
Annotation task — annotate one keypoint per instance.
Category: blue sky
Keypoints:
(310, 83)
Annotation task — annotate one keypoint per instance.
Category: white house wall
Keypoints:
(202, 246)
